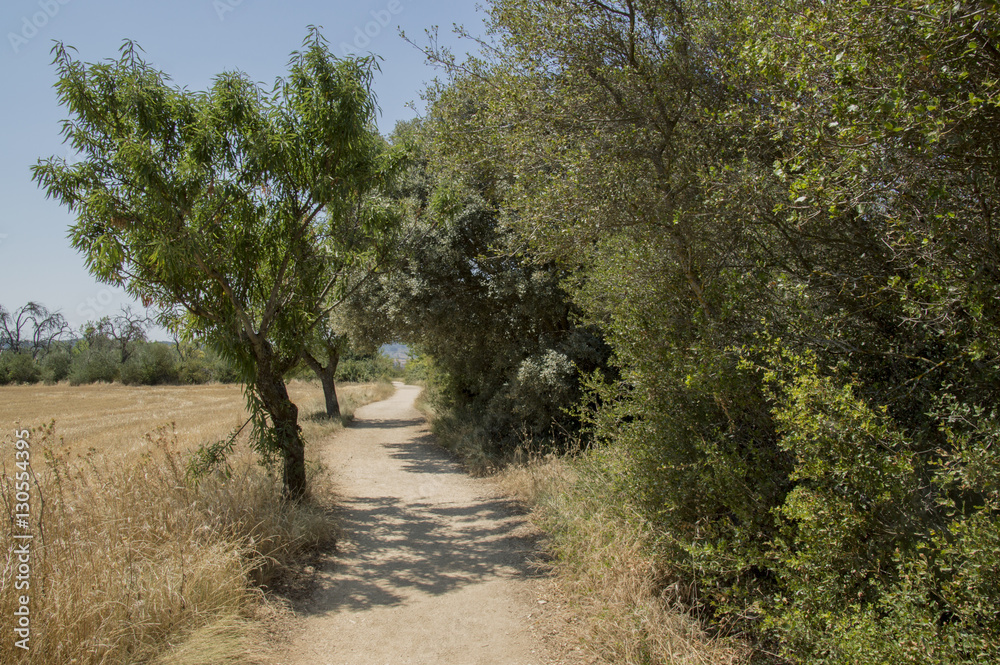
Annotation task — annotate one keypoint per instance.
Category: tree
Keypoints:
(782, 217)
(626, 152)
(498, 324)
(323, 357)
(31, 328)
(124, 330)
(238, 207)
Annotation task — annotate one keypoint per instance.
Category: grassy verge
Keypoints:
(133, 562)
(602, 556)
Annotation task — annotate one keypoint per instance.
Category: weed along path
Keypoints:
(433, 567)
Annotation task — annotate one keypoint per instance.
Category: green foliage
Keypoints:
(781, 220)
(364, 367)
(152, 365)
(888, 545)
(205, 367)
(497, 325)
(92, 364)
(239, 206)
(18, 367)
(56, 365)
(419, 369)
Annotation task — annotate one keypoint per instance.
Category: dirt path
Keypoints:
(434, 568)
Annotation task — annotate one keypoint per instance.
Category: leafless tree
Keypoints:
(124, 330)
(32, 328)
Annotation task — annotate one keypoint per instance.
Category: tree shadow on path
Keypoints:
(399, 549)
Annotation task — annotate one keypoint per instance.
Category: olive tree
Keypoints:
(238, 207)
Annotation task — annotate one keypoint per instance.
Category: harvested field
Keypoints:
(129, 560)
(112, 418)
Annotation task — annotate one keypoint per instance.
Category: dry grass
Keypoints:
(132, 562)
(603, 559)
(458, 433)
(604, 562)
(112, 418)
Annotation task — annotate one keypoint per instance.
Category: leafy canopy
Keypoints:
(237, 209)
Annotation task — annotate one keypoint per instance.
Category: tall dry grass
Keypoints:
(133, 561)
(132, 556)
(603, 559)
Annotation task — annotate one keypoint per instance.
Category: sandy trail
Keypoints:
(433, 567)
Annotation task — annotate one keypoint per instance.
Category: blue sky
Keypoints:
(192, 41)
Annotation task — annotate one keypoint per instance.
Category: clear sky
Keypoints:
(192, 41)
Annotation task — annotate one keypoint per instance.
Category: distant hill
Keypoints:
(398, 352)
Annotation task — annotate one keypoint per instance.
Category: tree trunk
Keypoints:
(330, 391)
(284, 415)
(327, 378)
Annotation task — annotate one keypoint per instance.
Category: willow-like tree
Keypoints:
(238, 207)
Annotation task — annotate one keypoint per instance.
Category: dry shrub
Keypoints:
(603, 560)
(132, 559)
(468, 441)
(225, 641)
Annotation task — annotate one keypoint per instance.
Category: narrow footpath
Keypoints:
(433, 567)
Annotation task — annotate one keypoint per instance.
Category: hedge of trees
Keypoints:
(780, 221)
(36, 345)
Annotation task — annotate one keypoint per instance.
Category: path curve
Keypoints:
(434, 567)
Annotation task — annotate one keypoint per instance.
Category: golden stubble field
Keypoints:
(130, 559)
(112, 419)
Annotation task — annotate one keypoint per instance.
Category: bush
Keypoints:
(888, 541)
(152, 365)
(222, 371)
(18, 368)
(605, 558)
(418, 369)
(94, 365)
(363, 368)
(56, 365)
(194, 369)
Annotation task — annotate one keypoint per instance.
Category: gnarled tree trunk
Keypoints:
(284, 415)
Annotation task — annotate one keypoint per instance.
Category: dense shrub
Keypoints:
(195, 369)
(150, 363)
(362, 368)
(18, 368)
(888, 543)
(782, 219)
(153, 364)
(93, 365)
(499, 328)
(203, 365)
(56, 365)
